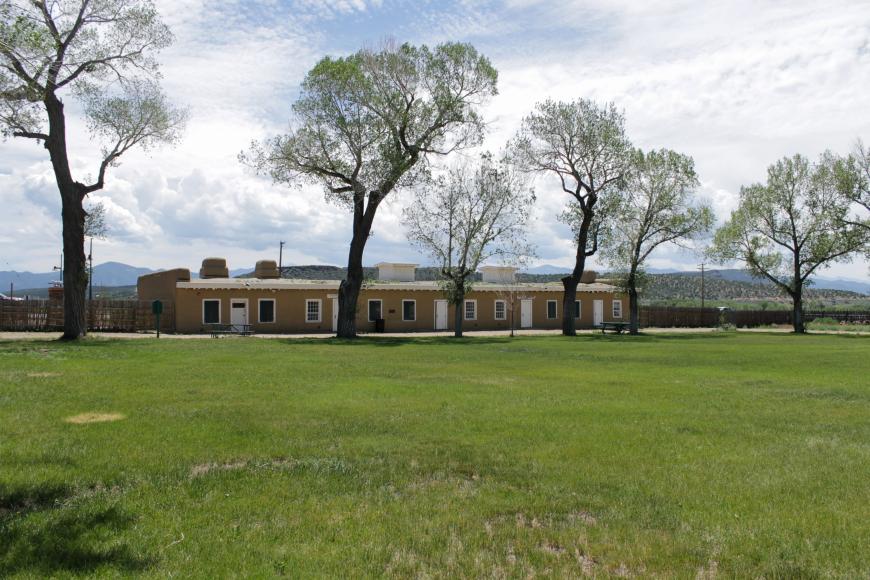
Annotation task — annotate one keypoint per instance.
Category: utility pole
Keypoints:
(702, 285)
(280, 258)
(91, 271)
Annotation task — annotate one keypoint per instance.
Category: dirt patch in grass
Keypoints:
(42, 375)
(84, 418)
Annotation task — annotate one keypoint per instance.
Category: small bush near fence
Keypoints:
(103, 315)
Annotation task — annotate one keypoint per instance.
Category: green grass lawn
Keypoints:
(670, 456)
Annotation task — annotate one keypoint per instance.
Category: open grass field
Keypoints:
(726, 454)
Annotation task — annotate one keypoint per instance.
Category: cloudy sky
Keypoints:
(736, 84)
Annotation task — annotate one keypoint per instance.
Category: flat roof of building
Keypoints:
(291, 284)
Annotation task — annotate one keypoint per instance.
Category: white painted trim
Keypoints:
(495, 310)
(613, 308)
(465, 310)
(369, 308)
(319, 310)
(218, 300)
(403, 310)
(578, 308)
(274, 310)
(556, 310)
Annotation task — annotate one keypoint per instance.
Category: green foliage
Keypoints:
(787, 228)
(655, 456)
(363, 122)
(586, 147)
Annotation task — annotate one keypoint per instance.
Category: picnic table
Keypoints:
(617, 327)
(218, 330)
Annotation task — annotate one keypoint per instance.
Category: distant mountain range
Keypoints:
(730, 275)
(106, 274)
(668, 283)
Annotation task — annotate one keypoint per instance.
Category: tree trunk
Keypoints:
(348, 291)
(634, 311)
(75, 276)
(798, 310)
(459, 313)
(569, 297)
(570, 282)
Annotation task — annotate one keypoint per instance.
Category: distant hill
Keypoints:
(105, 274)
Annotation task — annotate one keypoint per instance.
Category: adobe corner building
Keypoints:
(271, 304)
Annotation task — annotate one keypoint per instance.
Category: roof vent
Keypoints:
(214, 268)
(499, 274)
(266, 269)
(393, 272)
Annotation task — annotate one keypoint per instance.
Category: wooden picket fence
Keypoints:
(103, 315)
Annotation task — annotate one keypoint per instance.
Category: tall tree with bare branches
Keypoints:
(585, 146)
(100, 52)
(475, 213)
(366, 124)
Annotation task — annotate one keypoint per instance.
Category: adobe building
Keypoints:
(271, 304)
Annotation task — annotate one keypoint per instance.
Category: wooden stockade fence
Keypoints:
(103, 315)
(687, 317)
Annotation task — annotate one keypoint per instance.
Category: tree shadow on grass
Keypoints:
(393, 341)
(40, 539)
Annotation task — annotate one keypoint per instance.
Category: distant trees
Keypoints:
(474, 213)
(788, 228)
(586, 147)
(655, 205)
(102, 53)
(365, 124)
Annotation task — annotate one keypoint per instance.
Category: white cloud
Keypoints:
(735, 84)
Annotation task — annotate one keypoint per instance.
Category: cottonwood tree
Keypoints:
(100, 52)
(788, 228)
(477, 212)
(586, 147)
(655, 205)
(366, 124)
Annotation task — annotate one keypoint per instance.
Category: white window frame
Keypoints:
(465, 310)
(220, 307)
(613, 308)
(369, 308)
(578, 309)
(403, 310)
(555, 310)
(504, 310)
(274, 311)
(319, 310)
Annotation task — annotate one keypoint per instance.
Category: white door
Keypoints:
(238, 311)
(597, 312)
(440, 315)
(335, 315)
(526, 314)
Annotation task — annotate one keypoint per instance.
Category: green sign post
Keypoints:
(157, 309)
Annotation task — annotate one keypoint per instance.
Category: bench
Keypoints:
(218, 330)
(617, 327)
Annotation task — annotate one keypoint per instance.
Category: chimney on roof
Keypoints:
(266, 270)
(589, 277)
(390, 271)
(499, 274)
(214, 268)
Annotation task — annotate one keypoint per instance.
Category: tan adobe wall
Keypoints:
(290, 308)
(161, 285)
